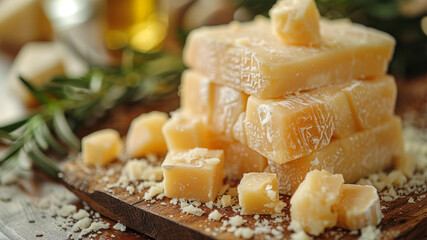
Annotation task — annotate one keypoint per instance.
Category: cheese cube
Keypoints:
(287, 128)
(38, 63)
(354, 157)
(249, 58)
(238, 132)
(145, 135)
(23, 21)
(195, 174)
(101, 147)
(315, 202)
(182, 133)
(258, 194)
(196, 93)
(359, 207)
(218, 105)
(239, 158)
(296, 22)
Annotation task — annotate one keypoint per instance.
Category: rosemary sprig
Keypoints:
(69, 103)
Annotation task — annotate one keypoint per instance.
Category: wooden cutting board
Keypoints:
(163, 220)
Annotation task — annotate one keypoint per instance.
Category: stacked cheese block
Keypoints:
(288, 96)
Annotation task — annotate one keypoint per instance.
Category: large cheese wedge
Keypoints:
(354, 157)
(195, 174)
(239, 158)
(359, 207)
(249, 58)
(218, 105)
(315, 202)
(287, 128)
(38, 63)
(296, 22)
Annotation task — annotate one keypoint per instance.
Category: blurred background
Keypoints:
(136, 40)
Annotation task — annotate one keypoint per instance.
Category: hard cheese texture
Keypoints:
(354, 157)
(239, 158)
(145, 135)
(38, 63)
(287, 128)
(315, 202)
(296, 22)
(218, 105)
(359, 207)
(182, 133)
(101, 147)
(194, 174)
(258, 194)
(249, 58)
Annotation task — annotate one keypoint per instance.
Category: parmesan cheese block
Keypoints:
(38, 63)
(145, 135)
(183, 133)
(249, 58)
(287, 128)
(258, 194)
(195, 174)
(354, 157)
(315, 202)
(359, 207)
(101, 147)
(296, 22)
(239, 158)
(218, 105)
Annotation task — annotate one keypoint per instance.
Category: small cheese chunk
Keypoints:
(359, 207)
(258, 194)
(195, 174)
(182, 133)
(296, 22)
(287, 128)
(37, 63)
(145, 135)
(314, 204)
(239, 158)
(355, 156)
(101, 147)
(266, 68)
(238, 132)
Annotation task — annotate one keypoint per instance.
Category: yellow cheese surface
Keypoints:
(182, 133)
(145, 135)
(287, 128)
(249, 58)
(195, 174)
(101, 147)
(258, 194)
(38, 63)
(354, 157)
(239, 158)
(359, 207)
(296, 22)
(220, 106)
(315, 202)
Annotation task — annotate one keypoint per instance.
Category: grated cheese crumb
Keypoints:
(215, 215)
(80, 214)
(130, 189)
(370, 233)
(237, 221)
(82, 224)
(67, 210)
(193, 210)
(244, 232)
(120, 227)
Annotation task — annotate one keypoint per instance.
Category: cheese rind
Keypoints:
(145, 134)
(195, 174)
(183, 133)
(249, 58)
(359, 207)
(287, 128)
(258, 194)
(314, 204)
(296, 22)
(101, 147)
(354, 157)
